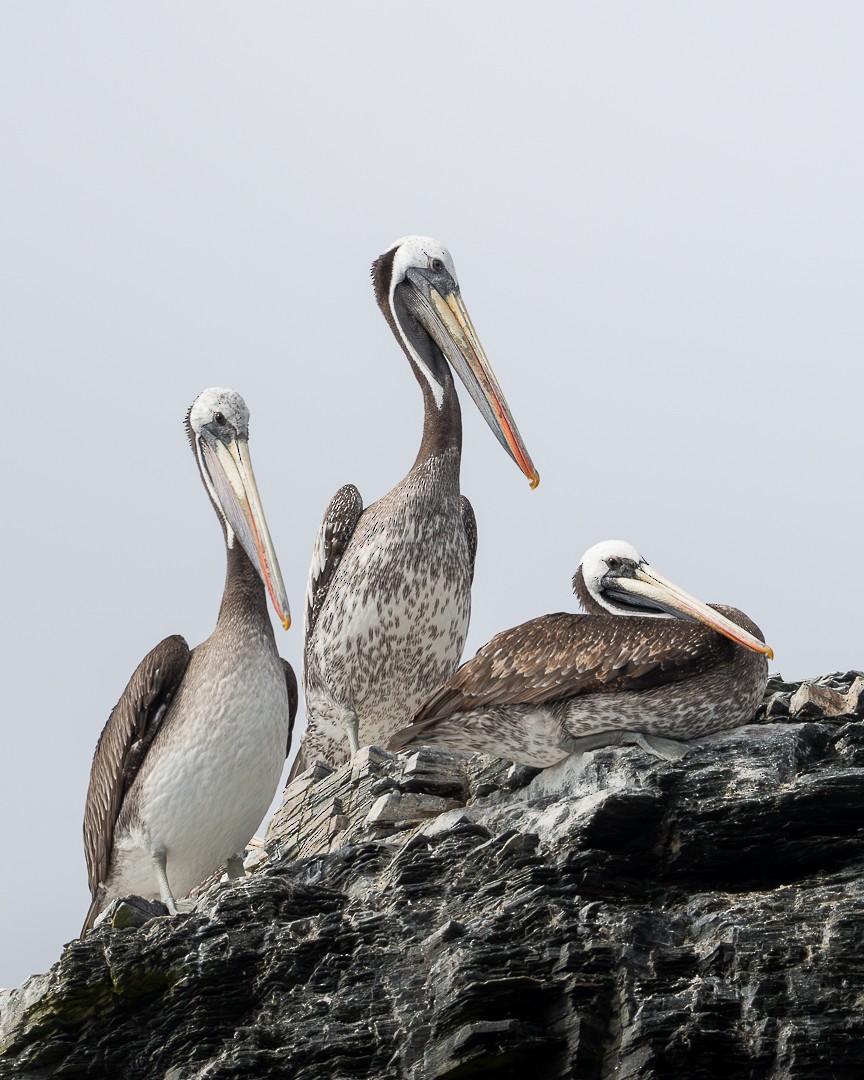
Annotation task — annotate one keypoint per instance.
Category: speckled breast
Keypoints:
(394, 623)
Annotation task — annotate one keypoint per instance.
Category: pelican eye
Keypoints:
(436, 266)
(613, 561)
(219, 418)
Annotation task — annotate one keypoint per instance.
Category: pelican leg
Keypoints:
(234, 866)
(352, 727)
(160, 860)
(582, 744)
(656, 745)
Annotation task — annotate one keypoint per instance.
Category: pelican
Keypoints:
(649, 664)
(190, 758)
(389, 592)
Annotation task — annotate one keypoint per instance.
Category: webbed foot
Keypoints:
(656, 745)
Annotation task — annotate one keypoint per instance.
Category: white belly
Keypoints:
(208, 779)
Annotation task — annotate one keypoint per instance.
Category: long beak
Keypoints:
(667, 595)
(230, 468)
(453, 332)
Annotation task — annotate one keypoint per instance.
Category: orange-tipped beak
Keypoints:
(230, 468)
(457, 338)
(648, 583)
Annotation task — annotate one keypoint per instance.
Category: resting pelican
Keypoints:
(389, 591)
(648, 664)
(191, 755)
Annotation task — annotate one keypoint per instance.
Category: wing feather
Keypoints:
(293, 698)
(337, 528)
(469, 521)
(123, 745)
(563, 655)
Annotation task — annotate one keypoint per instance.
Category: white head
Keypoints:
(219, 400)
(420, 253)
(604, 561)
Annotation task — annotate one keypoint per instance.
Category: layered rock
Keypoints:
(437, 916)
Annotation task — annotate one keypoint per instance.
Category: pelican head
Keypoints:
(620, 581)
(417, 289)
(218, 427)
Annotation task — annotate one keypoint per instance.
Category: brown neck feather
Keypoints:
(244, 596)
(442, 428)
(585, 598)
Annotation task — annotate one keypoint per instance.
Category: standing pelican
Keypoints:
(190, 757)
(629, 671)
(389, 591)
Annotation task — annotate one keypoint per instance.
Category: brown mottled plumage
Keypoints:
(389, 591)
(535, 689)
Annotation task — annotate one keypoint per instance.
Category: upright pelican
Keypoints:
(190, 757)
(629, 671)
(389, 590)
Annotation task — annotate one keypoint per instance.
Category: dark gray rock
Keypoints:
(129, 911)
(615, 916)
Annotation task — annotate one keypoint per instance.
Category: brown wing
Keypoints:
(470, 523)
(562, 655)
(337, 528)
(123, 745)
(291, 683)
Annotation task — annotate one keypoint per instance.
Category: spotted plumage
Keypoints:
(190, 758)
(626, 666)
(389, 593)
(404, 583)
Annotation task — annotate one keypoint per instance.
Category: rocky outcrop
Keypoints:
(436, 916)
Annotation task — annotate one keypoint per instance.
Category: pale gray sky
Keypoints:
(655, 214)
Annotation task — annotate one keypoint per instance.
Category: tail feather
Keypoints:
(92, 912)
(300, 765)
